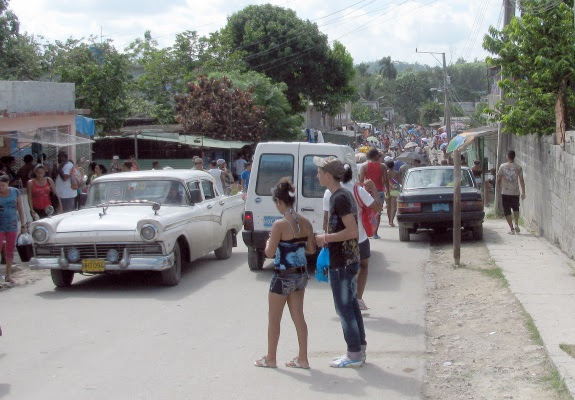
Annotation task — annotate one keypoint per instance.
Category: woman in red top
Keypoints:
(377, 173)
(39, 189)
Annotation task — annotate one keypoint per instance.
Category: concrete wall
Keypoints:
(18, 97)
(549, 175)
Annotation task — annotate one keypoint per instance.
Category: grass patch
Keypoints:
(557, 383)
(532, 329)
(521, 220)
(568, 348)
(496, 273)
(491, 214)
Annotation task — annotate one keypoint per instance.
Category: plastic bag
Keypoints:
(23, 239)
(322, 265)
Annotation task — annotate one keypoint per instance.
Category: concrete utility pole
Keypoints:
(446, 83)
(457, 207)
(503, 139)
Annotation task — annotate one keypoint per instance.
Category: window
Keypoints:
(271, 169)
(310, 182)
(431, 177)
(160, 191)
(208, 189)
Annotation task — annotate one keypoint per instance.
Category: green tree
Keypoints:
(21, 56)
(281, 123)
(387, 69)
(409, 91)
(362, 69)
(217, 109)
(536, 54)
(165, 72)
(363, 113)
(431, 111)
(274, 41)
(101, 75)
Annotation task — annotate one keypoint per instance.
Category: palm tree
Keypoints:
(387, 70)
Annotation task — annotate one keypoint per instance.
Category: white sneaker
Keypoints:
(362, 305)
(345, 362)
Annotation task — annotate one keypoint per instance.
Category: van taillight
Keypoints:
(248, 221)
(404, 208)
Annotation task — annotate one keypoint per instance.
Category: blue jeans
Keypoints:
(343, 283)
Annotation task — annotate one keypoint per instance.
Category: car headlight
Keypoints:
(73, 254)
(113, 255)
(40, 235)
(149, 232)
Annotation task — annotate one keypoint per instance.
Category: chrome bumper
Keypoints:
(156, 263)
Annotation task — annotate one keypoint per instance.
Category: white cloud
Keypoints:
(370, 30)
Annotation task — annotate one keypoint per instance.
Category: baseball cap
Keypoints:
(330, 164)
(387, 158)
(221, 161)
(116, 157)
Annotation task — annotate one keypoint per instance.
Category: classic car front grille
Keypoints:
(100, 250)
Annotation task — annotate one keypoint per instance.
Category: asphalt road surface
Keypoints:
(124, 337)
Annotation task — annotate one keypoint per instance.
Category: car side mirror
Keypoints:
(196, 196)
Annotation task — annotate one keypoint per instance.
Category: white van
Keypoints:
(273, 161)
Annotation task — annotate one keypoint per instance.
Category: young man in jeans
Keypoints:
(509, 177)
(342, 241)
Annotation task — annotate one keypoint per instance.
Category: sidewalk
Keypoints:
(543, 280)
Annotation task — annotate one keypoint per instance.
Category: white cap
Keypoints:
(387, 158)
(116, 157)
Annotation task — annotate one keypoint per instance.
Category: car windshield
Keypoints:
(433, 177)
(159, 191)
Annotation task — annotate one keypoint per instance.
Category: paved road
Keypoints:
(122, 337)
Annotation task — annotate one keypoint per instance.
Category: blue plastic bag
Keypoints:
(322, 265)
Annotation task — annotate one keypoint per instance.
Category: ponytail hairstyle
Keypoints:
(284, 191)
(348, 174)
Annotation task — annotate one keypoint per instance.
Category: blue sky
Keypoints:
(370, 29)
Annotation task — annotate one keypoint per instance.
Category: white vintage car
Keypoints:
(139, 221)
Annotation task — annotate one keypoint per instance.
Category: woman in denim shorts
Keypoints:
(290, 238)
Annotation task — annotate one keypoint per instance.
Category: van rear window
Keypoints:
(271, 169)
(310, 182)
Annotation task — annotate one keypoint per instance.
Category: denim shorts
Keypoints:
(289, 283)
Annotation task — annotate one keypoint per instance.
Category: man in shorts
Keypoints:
(509, 176)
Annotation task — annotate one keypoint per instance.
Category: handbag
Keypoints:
(322, 265)
(368, 216)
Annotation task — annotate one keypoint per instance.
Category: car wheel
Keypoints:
(225, 251)
(478, 232)
(62, 278)
(171, 276)
(403, 234)
(255, 259)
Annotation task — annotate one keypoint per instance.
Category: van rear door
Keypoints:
(310, 192)
(273, 162)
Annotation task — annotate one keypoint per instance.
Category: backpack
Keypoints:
(368, 216)
(76, 179)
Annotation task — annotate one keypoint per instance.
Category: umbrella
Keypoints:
(410, 145)
(372, 139)
(408, 157)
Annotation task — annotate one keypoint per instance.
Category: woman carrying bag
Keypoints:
(41, 189)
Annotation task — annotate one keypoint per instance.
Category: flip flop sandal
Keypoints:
(295, 364)
(263, 363)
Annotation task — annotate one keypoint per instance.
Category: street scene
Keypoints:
(286, 199)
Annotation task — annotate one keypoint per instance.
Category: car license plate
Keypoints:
(269, 220)
(440, 207)
(93, 266)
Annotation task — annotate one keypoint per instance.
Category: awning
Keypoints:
(49, 137)
(190, 140)
(463, 140)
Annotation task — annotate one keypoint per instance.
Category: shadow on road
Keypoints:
(388, 325)
(369, 375)
(146, 284)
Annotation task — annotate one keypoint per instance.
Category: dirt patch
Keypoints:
(480, 344)
(568, 348)
(21, 275)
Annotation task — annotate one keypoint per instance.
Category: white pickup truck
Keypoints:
(139, 221)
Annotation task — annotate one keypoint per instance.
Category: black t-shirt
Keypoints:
(341, 254)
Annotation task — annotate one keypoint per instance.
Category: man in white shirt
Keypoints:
(218, 176)
(64, 182)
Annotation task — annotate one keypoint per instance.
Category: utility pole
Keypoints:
(502, 139)
(446, 83)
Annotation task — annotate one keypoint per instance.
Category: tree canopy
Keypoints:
(536, 53)
(274, 41)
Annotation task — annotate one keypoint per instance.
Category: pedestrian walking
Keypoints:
(369, 196)
(10, 209)
(218, 176)
(245, 177)
(342, 242)
(393, 177)
(228, 178)
(64, 189)
(509, 177)
(238, 167)
(375, 171)
(39, 190)
(290, 239)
